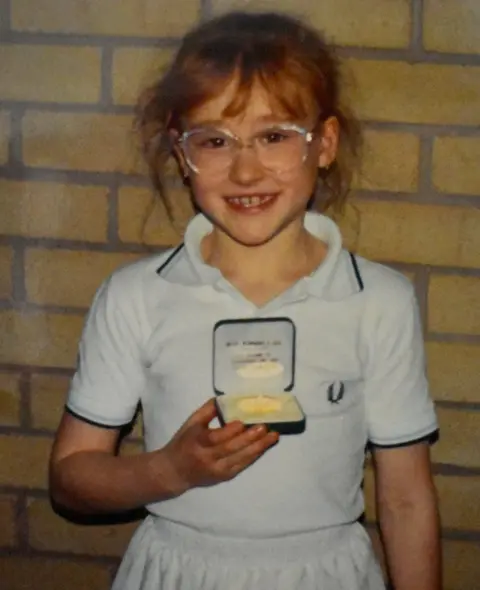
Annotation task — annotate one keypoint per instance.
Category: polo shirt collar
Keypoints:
(334, 279)
(197, 229)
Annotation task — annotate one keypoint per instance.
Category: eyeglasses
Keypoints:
(279, 148)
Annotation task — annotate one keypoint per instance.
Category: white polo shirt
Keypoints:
(359, 378)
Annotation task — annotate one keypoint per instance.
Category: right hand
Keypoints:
(202, 456)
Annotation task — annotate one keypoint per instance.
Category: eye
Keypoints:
(213, 142)
(273, 136)
(208, 140)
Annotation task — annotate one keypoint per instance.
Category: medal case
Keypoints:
(254, 373)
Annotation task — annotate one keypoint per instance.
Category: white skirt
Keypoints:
(167, 556)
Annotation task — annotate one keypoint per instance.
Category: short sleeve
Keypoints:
(399, 409)
(109, 379)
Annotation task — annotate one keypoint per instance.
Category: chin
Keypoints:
(253, 231)
(247, 238)
(252, 241)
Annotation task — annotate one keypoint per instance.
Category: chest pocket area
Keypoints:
(335, 414)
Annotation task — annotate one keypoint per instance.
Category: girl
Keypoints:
(250, 110)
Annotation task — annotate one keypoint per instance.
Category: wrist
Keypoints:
(165, 475)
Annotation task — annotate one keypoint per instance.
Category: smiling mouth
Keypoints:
(250, 201)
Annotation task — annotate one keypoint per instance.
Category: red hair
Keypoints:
(286, 57)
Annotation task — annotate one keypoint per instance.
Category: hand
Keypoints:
(201, 456)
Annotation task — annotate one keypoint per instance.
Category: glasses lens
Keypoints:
(280, 149)
(208, 149)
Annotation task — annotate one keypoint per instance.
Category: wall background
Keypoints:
(73, 198)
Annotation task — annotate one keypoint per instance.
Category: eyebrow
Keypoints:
(220, 123)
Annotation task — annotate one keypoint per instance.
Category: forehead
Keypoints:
(234, 104)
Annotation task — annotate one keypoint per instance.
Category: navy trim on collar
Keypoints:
(163, 266)
(356, 270)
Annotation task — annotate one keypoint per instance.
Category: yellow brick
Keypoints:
(7, 518)
(70, 278)
(453, 371)
(413, 93)
(453, 304)
(455, 164)
(40, 573)
(81, 141)
(9, 399)
(50, 210)
(142, 218)
(359, 22)
(135, 70)
(5, 272)
(458, 444)
(24, 460)
(44, 339)
(461, 565)
(452, 26)
(349, 221)
(458, 500)
(109, 17)
(4, 136)
(389, 162)
(49, 532)
(50, 73)
(426, 234)
(48, 396)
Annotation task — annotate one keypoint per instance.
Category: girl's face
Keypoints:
(246, 200)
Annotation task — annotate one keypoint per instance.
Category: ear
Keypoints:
(178, 154)
(329, 142)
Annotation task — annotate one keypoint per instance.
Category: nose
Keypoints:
(246, 168)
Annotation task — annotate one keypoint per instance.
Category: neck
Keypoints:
(292, 253)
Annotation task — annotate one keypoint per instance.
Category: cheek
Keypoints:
(301, 182)
(202, 189)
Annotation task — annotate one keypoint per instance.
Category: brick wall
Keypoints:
(74, 199)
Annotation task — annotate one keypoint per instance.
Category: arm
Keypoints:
(408, 516)
(87, 476)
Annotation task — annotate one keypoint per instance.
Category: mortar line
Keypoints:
(5, 19)
(417, 16)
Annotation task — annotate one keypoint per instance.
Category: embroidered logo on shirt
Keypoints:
(335, 392)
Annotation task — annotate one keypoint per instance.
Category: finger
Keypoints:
(204, 415)
(218, 436)
(237, 440)
(234, 462)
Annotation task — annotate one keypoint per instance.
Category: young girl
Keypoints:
(250, 110)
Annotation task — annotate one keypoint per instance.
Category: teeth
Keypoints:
(250, 201)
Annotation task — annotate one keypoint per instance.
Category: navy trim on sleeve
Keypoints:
(169, 259)
(430, 438)
(356, 270)
(93, 422)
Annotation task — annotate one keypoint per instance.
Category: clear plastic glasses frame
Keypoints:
(279, 148)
